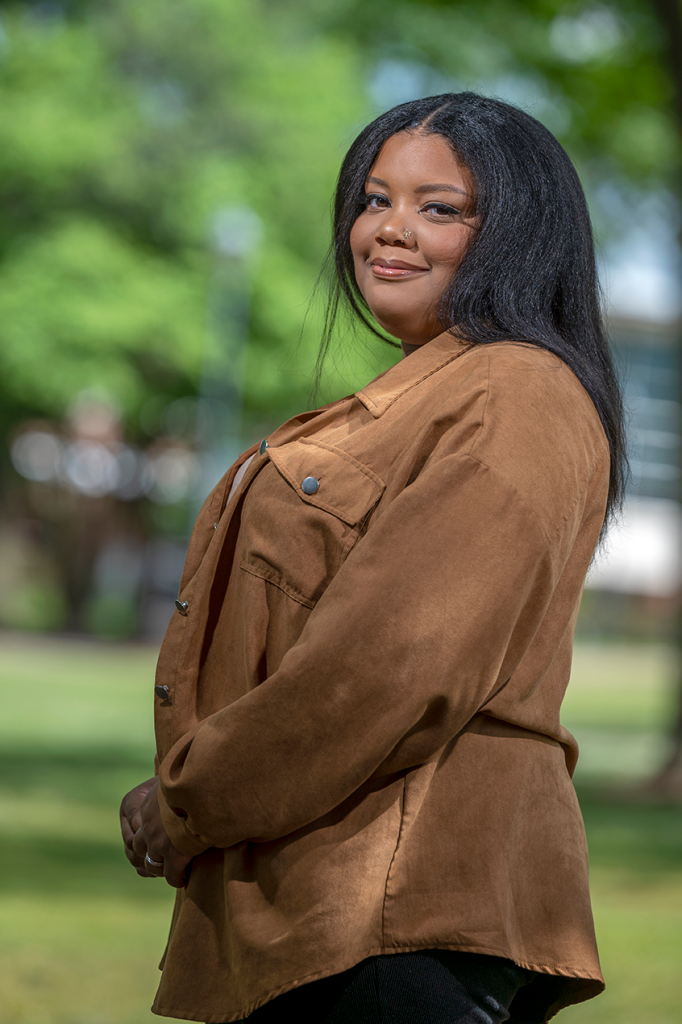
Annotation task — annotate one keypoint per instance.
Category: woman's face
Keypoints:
(412, 235)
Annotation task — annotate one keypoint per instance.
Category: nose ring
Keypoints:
(407, 234)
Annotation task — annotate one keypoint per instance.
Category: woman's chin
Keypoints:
(405, 334)
(397, 327)
(408, 328)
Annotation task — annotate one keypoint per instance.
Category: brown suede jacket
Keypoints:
(361, 742)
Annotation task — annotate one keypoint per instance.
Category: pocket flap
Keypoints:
(346, 488)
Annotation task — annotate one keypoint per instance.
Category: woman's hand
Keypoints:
(131, 819)
(146, 839)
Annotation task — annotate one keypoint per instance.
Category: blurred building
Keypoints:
(634, 584)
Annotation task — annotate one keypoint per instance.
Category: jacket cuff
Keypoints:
(181, 837)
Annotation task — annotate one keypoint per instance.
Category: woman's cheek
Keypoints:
(359, 240)
(359, 262)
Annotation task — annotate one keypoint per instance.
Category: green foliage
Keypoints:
(124, 131)
(596, 73)
(125, 128)
(81, 306)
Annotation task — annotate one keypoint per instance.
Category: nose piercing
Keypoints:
(406, 234)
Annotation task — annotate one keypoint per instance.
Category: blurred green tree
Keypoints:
(125, 130)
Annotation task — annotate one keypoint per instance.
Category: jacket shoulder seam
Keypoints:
(481, 425)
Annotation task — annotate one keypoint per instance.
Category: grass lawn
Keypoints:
(81, 934)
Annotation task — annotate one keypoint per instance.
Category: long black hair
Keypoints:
(529, 274)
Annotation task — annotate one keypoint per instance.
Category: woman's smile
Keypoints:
(395, 270)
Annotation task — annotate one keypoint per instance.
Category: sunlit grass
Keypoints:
(639, 928)
(66, 692)
(81, 934)
(79, 959)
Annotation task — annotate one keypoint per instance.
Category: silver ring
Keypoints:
(153, 863)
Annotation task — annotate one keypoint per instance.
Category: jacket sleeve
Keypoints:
(424, 622)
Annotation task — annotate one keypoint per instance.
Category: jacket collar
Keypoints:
(385, 389)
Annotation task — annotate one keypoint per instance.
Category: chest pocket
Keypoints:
(303, 514)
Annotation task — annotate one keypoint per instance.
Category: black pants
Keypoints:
(432, 986)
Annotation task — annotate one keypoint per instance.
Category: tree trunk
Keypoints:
(669, 13)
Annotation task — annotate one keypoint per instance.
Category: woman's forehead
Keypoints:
(417, 161)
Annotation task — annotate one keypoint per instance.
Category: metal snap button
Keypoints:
(262, 446)
(310, 485)
(182, 606)
(162, 691)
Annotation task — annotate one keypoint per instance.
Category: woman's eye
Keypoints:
(440, 210)
(376, 201)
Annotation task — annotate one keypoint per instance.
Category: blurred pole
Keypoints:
(236, 232)
(669, 14)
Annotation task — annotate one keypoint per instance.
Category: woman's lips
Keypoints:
(395, 268)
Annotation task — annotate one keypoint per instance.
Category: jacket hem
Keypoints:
(563, 971)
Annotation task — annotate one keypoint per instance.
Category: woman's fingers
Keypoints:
(165, 862)
(131, 822)
(130, 811)
(145, 841)
(135, 858)
(168, 863)
(127, 832)
(139, 843)
(148, 847)
(154, 864)
(142, 865)
(128, 837)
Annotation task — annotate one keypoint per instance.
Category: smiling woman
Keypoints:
(364, 791)
(419, 216)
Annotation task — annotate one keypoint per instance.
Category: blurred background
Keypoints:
(166, 170)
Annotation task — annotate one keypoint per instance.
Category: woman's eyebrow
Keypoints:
(421, 189)
(439, 187)
(431, 187)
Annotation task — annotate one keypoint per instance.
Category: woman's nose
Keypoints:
(394, 231)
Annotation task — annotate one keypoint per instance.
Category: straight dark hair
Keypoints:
(529, 274)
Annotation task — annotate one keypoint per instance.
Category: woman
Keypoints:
(357, 715)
